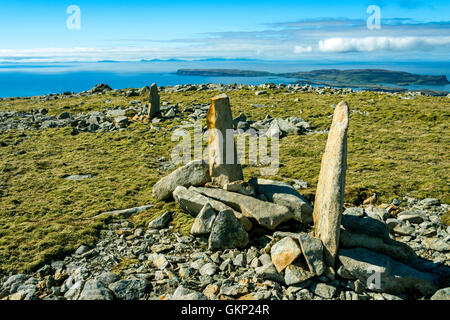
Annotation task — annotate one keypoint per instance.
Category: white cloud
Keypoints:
(300, 49)
(370, 44)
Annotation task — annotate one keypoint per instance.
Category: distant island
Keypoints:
(356, 77)
(223, 73)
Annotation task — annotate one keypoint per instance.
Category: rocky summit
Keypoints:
(249, 237)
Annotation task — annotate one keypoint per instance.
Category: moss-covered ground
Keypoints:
(400, 148)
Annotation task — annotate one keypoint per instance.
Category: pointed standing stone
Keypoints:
(223, 162)
(330, 188)
(154, 101)
(204, 220)
(227, 232)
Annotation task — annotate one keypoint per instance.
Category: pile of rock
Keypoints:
(133, 262)
(228, 210)
(93, 121)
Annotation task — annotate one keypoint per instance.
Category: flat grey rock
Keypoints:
(323, 290)
(394, 249)
(78, 177)
(125, 213)
(284, 194)
(267, 214)
(128, 289)
(365, 225)
(195, 173)
(193, 202)
(162, 221)
(95, 290)
(395, 277)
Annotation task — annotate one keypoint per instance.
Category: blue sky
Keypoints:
(36, 30)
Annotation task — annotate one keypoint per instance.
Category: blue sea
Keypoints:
(19, 79)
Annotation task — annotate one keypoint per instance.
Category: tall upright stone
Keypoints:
(330, 188)
(154, 106)
(223, 162)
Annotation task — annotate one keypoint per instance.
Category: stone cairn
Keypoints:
(227, 210)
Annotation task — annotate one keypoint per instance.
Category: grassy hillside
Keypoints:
(400, 147)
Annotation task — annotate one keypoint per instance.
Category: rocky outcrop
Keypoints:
(169, 265)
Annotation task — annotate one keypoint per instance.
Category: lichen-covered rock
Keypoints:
(284, 252)
(441, 294)
(394, 249)
(295, 275)
(128, 289)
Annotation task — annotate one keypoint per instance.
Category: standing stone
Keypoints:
(154, 101)
(223, 162)
(330, 188)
